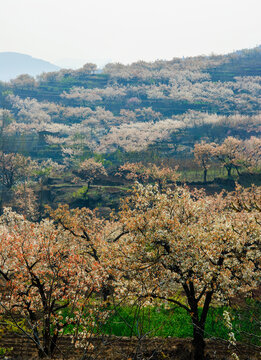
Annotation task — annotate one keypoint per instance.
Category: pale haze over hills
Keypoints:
(13, 64)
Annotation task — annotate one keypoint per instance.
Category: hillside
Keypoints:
(136, 109)
(13, 64)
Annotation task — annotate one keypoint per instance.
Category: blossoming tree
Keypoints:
(208, 246)
(203, 153)
(89, 170)
(152, 172)
(43, 271)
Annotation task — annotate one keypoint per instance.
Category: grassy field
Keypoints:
(175, 322)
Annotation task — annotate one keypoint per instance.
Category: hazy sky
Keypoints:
(77, 31)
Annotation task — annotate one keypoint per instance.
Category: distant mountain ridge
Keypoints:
(13, 64)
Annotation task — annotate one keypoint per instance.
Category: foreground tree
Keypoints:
(208, 246)
(160, 175)
(43, 271)
(89, 170)
(252, 148)
(203, 154)
(230, 154)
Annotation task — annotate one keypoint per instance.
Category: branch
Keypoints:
(119, 236)
(201, 294)
(4, 275)
(169, 300)
(70, 230)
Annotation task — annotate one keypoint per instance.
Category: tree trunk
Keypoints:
(47, 337)
(42, 354)
(53, 343)
(229, 171)
(205, 175)
(237, 169)
(198, 320)
(49, 345)
(198, 342)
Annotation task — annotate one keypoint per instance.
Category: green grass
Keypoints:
(153, 320)
(162, 322)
